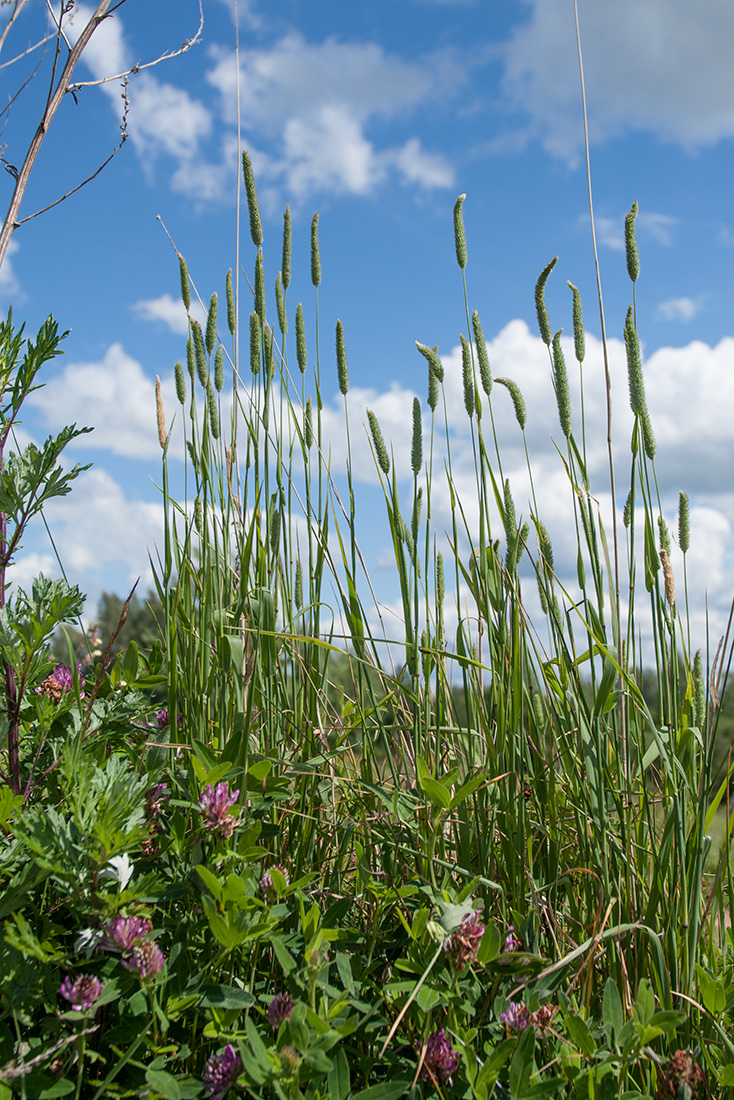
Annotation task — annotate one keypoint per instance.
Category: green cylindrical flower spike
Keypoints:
(308, 425)
(190, 357)
(286, 264)
(467, 375)
(260, 287)
(301, 354)
(459, 235)
(440, 582)
(219, 369)
(416, 521)
(630, 244)
(315, 254)
(664, 536)
(432, 390)
(280, 304)
(341, 360)
(198, 515)
(210, 337)
(255, 342)
(539, 714)
(699, 693)
(256, 229)
(540, 307)
(180, 383)
(202, 368)
(269, 354)
(684, 529)
(231, 309)
(517, 400)
(193, 456)
(185, 282)
(431, 354)
(511, 533)
(560, 382)
(484, 372)
(648, 438)
(541, 593)
(383, 459)
(211, 404)
(634, 367)
(298, 593)
(579, 336)
(544, 544)
(416, 450)
(522, 541)
(274, 524)
(627, 513)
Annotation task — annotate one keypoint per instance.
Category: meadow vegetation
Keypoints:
(471, 860)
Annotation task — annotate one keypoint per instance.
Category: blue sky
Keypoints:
(378, 115)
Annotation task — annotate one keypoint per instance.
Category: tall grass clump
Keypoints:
(470, 857)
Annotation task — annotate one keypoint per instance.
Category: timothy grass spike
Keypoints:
(255, 342)
(627, 513)
(280, 303)
(630, 244)
(341, 360)
(210, 335)
(467, 375)
(260, 287)
(544, 544)
(308, 425)
(202, 367)
(634, 366)
(540, 307)
(301, 353)
(459, 234)
(668, 576)
(268, 349)
(185, 282)
(211, 405)
(383, 459)
(485, 373)
(416, 449)
(219, 369)
(256, 229)
(159, 414)
(517, 400)
(178, 375)
(684, 526)
(231, 309)
(190, 358)
(699, 693)
(298, 586)
(664, 535)
(432, 390)
(285, 267)
(560, 383)
(315, 253)
(648, 438)
(579, 336)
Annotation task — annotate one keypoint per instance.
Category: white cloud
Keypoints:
(308, 108)
(663, 67)
(168, 311)
(117, 399)
(649, 223)
(166, 119)
(679, 309)
(9, 285)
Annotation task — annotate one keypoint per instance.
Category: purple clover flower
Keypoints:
(221, 1072)
(266, 882)
(60, 683)
(463, 943)
(280, 1009)
(441, 1060)
(82, 992)
(516, 1016)
(123, 933)
(512, 943)
(215, 803)
(147, 958)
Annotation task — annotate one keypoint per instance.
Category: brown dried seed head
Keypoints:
(159, 414)
(668, 575)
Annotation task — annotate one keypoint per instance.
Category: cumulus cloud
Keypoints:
(308, 109)
(168, 311)
(664, 68)
(679, 309)
(649, 224)
(9, 285)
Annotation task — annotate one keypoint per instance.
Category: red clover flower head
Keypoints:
(441, 1058)
(289, 1060)
(516, 1016)
(221, 1072)
(266, 882)
(59, 683)
(82, 992)
(147, 958)
(123, 933)
(280, 1009)
(463, 943)
(215, 803)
